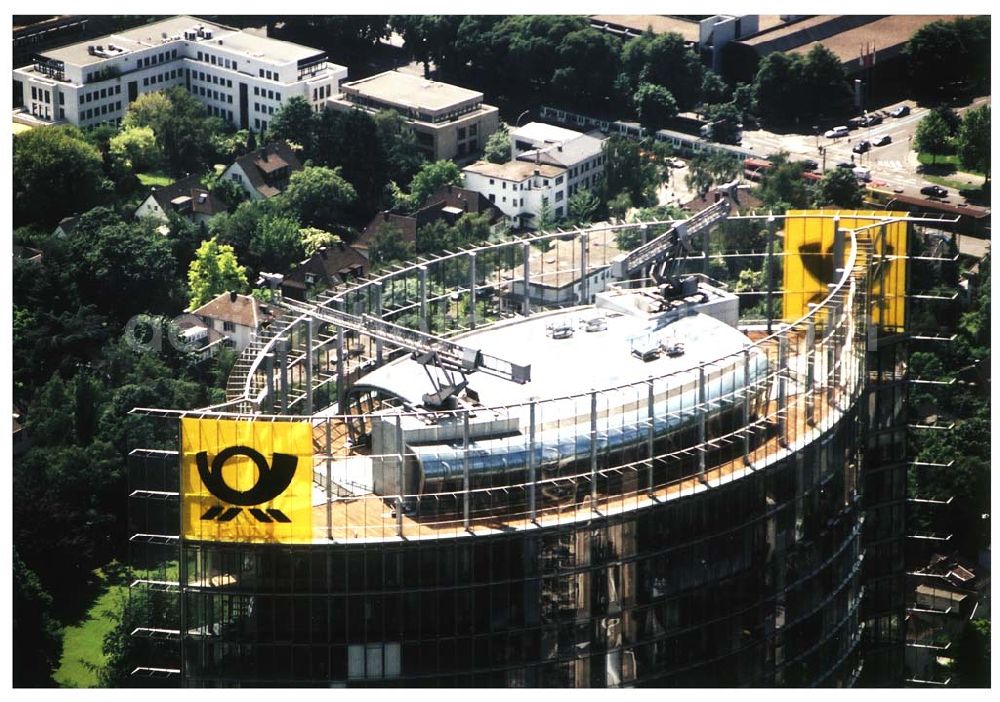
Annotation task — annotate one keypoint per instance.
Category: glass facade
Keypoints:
(730, 525)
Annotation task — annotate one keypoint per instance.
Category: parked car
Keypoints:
(871, 120)
(934, 191)
(809, 165)
(900, 111)
(883, 140)
(855, 122)
(862, 146)
(845, 164)
(836, 132)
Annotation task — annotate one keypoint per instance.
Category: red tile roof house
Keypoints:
(449, 202)
(264, 172)
(238, 317)
(187, 197)
(325, 269)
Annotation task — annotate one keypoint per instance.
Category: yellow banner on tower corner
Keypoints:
(246, 481)
(809, 263)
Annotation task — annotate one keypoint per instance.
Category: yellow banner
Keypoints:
(809, 262)
(246, 481)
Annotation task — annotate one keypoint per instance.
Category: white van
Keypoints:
(836, 132)
(863, 173)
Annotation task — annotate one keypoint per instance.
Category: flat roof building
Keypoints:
(450, 122)
(239, 76)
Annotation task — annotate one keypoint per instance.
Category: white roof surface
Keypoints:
(561, 367)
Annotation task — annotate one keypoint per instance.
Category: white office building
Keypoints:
(580, 154)
(239, 76)
(549, 164)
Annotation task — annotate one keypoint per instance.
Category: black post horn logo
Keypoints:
(272, 480)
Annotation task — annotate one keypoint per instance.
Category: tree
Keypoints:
(429, 179)
(229, 191)
(713, 89)
(782, 187)
(974, 140)
(123, 267)
(37, 636)
(313, 239)
(182, 127)
(950, 117)
(389, 245)
(319, 196)
(972, 654)
(135, 149)
(55, 173)
(839, 188)
(824, 89)
(725, 121)
(625, 170)
(583, 206)
(275, 243)
(589, 64)
(932, 135)
(350, 141)
(670, 63)
(213, 271)
(708, 169)
(497, 149)
(295, 122)
(776, 87)
(654, 105)
(399, 143)
(937, 58)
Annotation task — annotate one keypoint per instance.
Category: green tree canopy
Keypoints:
(135, 149)
(655, 106)
(37, 636)
(123, 267)
(626, 171)
(429, 179)
(497, 149)
(319, 196)
(276, 244)
(313, 239)
(946, 57)
(839, 188)
(782, 187)
(213, 271)
(389, 246)
(182, 127)
(55, 173)
(725, 120)
(932, 135)
(295, 122)
(974, 140)
(403, 156)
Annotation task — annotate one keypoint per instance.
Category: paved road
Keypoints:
(895, 163)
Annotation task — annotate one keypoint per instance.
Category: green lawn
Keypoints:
(158, 179)
(82, 643)
(943, 163)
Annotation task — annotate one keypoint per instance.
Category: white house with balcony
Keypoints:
(239, 76)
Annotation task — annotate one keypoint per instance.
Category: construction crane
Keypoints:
(428, 350)
(658, 259)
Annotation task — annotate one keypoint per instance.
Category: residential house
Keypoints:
(65, 227)
(327, 268)
(237, 317)
(450, 203)
(187, 198)
(264, 172)
(448, 121)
